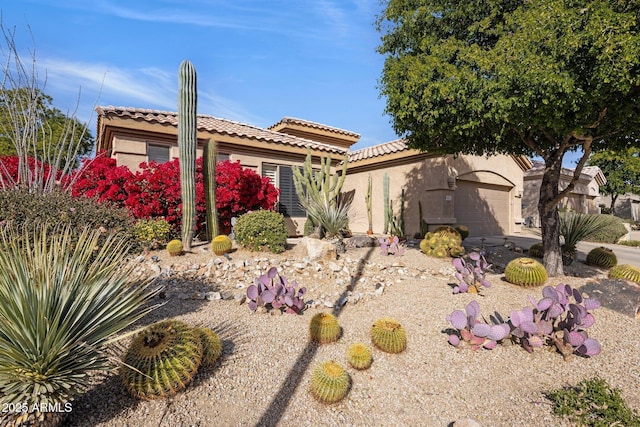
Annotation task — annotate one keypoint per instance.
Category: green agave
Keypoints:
(602, 257)
(388, 335)
(625, 271)
(62, 304)
(525, 272)
(324, 328)
(162, 360)
(330, 382)
(359, 356)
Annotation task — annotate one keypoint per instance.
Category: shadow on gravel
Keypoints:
(615, 294)
(271, 417)
(109, 399)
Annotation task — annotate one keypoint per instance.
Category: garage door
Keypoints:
(484, 208)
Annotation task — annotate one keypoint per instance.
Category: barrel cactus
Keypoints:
(463, 230)
(626, 272)
(359, 356)
(324, 328)
(602, 257)
(536, 250)
(161, 360)
(443, 242)
(388, 335)
(175, 248)
(330, 382)
(221, 244)
(211, 347)
(525, 272)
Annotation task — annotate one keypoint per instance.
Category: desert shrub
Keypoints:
(20, 207)
(259, 230)
(611, 230)
(593, 402)
(152, 232)
(635, 243)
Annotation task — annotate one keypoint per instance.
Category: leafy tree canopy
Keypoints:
(622, 170)
(56, 132)
(533, 77)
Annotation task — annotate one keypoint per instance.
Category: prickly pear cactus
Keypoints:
(324, 328)
(359, 356)
(330, 382)
(388, 335)
(211, 347)
(536, 250)
(175, 248)
(525, 272)
(626, 272)
(161, 360)
(221, 244)
(602, 257)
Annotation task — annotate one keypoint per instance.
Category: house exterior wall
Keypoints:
(432, 181)
(627, 206)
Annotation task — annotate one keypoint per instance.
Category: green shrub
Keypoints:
(635, 243)
(593, 403)
(19, 207)
(152, 233)
(610, 231)
(259, 230)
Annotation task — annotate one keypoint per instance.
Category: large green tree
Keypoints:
(622, 170)
(532, 77)
(29, 107)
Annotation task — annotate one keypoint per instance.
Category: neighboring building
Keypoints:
(627, 205)
(483, 193)
(584, 198)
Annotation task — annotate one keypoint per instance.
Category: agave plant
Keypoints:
(60, 305)
(331, 214)
(576, 227)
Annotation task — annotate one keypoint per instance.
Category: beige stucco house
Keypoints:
(584, 198)
(483, 193)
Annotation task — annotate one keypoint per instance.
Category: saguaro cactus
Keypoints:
(367, 199)
(209, 172)
(187, 144)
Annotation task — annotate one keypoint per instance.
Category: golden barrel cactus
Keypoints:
(211, 347)
(359, 356)
(175, 247)
(626, 272)
(388, 335)
(221, 244)
(602, 257)
(324, 328)
(330, 382)
(525, 272)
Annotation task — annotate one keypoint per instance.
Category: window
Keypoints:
(158, 153)
(282, 177)
(222, 156)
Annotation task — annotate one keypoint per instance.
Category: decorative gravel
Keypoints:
(263, 376)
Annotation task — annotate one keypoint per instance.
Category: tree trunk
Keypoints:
(612, 208)
(549, 218)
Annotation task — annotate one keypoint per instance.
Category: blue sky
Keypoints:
(257, 61)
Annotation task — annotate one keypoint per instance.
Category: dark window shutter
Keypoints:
(289, 204)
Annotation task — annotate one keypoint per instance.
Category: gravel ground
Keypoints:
(262, 378)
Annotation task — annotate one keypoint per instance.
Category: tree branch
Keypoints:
(586, 147)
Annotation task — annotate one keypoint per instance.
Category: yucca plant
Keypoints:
(62, 300)
(576, 227)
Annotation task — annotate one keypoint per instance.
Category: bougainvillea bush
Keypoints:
(154, 190)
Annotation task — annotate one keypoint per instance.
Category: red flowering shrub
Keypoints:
(9, 170)
(154, 191)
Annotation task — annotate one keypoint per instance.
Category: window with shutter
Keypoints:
(157, 153)
(282, 177)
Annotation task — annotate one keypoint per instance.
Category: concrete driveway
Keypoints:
(625, 254)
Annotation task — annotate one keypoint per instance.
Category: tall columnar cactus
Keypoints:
(319, 184)
(187, 144)
(367, 199)
(387, 205)
(209, 174)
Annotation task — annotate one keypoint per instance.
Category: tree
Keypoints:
(55, 124)
(537, 77)
(622, 170)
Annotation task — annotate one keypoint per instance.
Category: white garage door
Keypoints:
(484, 208)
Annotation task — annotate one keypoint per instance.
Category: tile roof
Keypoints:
(588, 172)
(213, 124)
(378, 150)
(301, 122)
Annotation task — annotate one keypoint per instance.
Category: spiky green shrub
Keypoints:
(56, 208)
(221, 244)
(175, 248)
(330, 382)
(152, 232)
(389, 335)
(525, 272)
(262, 229)
(162, 360)
(324, 328)
(602, 257)
(610, 231)
(593, 402)
(211, 347)
(536, 250)
(359, 356)
(626, 272)
(62, 301)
